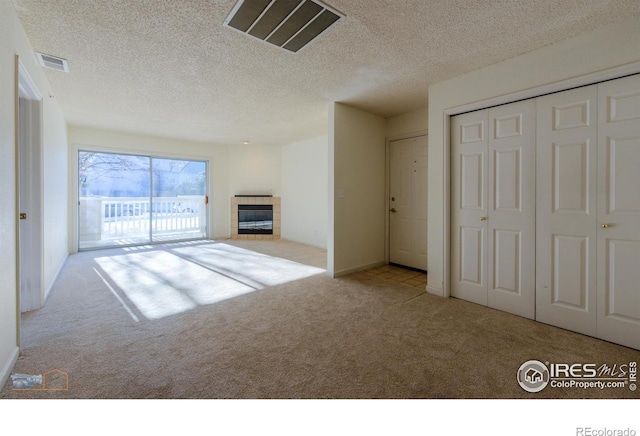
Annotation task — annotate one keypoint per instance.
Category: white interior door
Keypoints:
(618, 214)
(25, 237)
(566, 210)
(408, 202)
(469, 167)
(511, 225)
(30, 205)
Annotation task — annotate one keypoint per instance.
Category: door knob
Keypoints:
(393, 210)
(483, 218)
(604, 226)
(23, 216)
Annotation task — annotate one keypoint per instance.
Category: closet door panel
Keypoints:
(618, 264)
(566, 209)
(469, 206)
(511, 215)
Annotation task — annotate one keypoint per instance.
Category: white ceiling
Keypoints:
(170, 68)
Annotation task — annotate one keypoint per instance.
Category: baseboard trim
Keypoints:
(356, 269)
(8, 366)
(302, 242)
(55, 277)
(219, 238)
(435, 291)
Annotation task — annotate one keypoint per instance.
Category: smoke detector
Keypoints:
(289, 24)
(53, 62)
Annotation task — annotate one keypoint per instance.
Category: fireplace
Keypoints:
(255, 219)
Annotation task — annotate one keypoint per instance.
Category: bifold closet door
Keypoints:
(588, 210)
(493, 207)
(566, 210)
(618, 210)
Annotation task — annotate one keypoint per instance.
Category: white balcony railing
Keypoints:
(104, 219)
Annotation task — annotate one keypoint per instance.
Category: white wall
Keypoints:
(416, 121)
(305, 191)
(237, 169)
(89, 138)
(602, 49)
(55, 194)
(255, 169)
(356, 173)
(13, 41)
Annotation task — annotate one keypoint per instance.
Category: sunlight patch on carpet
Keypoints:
(169, 281)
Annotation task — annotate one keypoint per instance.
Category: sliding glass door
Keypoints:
(178, 199)
(131, 200)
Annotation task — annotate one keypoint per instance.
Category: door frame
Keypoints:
(27, 90)
(538, 91)
(387, 185)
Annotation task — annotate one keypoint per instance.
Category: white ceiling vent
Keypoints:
(53, 62)
(290, 24)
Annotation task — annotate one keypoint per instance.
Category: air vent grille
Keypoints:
(290, 24)
(53, 62)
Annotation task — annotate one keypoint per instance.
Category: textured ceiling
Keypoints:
(170, 67)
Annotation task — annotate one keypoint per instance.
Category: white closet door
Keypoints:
(618, 259)
(469, 148)
(566, 210)
(493, 207)
(511, 225)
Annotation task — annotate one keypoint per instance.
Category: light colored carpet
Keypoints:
(261, 319)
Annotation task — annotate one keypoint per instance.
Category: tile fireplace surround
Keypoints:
(274, 201)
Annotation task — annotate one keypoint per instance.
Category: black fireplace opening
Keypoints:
(255, 219)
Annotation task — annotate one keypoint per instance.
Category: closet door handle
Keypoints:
(604, 226)
(483, 218)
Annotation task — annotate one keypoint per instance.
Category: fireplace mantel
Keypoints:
(257, 199)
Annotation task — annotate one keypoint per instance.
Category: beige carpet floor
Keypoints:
(261, 319)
